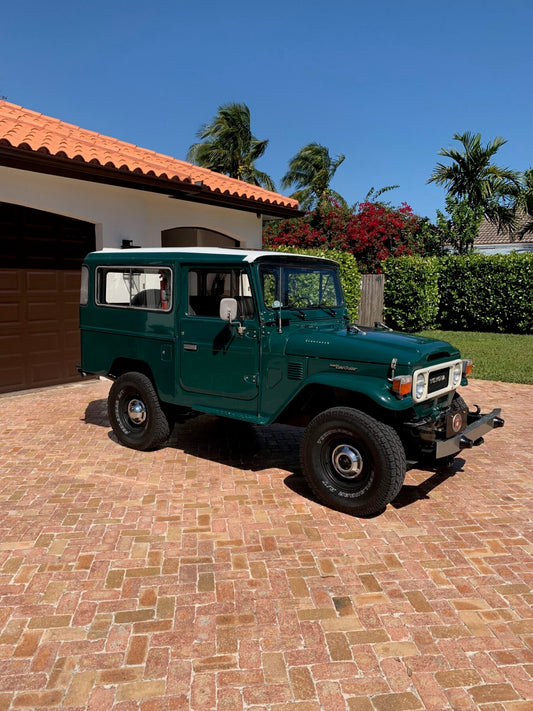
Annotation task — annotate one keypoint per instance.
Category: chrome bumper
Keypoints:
(471, 436)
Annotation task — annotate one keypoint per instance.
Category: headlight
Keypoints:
(457, 374)
(420, 385)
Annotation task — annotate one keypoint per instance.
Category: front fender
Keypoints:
(376, 389)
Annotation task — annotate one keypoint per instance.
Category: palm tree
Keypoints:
(523, 205)
(228, 146)
(474, 178)
(311, 171)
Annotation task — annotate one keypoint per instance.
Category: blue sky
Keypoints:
(386, 83)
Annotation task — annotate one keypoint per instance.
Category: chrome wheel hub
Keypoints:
(137, 411)
(347, 461)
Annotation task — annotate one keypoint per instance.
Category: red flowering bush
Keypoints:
(379, 232)
(373, 232)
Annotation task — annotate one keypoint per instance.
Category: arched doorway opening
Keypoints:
(197, 237)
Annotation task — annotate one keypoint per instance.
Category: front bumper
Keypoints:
(478, 425)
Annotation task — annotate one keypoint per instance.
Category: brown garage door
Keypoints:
(40, 258)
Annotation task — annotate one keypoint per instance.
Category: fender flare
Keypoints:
(376, 389)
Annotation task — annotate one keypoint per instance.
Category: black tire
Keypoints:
(135, 412)
(352, 462)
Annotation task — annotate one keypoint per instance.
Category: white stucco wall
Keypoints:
(123, 213)
(520, 247)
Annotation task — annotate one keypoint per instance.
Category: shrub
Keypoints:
(472, 292)
(487, 293)
(412, 292)
(350, 276)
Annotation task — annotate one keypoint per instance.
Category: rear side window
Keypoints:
(135, 287)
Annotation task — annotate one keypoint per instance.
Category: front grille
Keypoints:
(438, 379)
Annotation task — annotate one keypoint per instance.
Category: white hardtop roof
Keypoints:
(247, 255)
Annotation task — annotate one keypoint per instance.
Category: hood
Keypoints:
(368, 346)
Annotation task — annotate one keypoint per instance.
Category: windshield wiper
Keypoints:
(327, 309)
(292, 307)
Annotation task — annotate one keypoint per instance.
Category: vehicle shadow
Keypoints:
(257, 447)
(96, 413)
(239, 444)
(225, 441)
(411, 493)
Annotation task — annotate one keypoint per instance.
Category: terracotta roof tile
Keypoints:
(25, 129)
(488, 234)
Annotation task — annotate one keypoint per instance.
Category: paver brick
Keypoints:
(205, 576)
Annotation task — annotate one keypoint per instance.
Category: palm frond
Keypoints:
(228, 146)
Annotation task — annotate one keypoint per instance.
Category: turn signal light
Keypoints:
(402, 385)
(467, 366)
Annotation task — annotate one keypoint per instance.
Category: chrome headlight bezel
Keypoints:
(420, 386)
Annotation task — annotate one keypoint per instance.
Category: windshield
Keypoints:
(301, 286)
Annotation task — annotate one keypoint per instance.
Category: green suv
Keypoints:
(265, 337)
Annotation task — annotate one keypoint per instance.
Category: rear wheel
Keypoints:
(351, 461)
(135, 412)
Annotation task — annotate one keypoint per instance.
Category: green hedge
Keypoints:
(474, 292)
(350, 275)
(411, 292)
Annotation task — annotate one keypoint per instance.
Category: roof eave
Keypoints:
(26, 159)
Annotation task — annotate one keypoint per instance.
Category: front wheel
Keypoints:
(352, 462)
(135, 412)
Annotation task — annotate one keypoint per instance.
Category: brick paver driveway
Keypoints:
(204, 576)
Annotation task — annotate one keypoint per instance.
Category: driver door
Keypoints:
(218, 367)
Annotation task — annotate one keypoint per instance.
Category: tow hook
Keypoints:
(465, 443)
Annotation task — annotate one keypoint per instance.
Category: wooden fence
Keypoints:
(371, 305)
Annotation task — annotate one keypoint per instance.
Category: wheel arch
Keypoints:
(120, 366)
(314, 398)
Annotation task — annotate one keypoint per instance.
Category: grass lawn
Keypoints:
(497, 356)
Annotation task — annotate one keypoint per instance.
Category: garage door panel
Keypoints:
(47, 372)
(71, 281)
(42, 312)
(9, 282)
(42, 342)
(41, 281)
(71, 340)
(10, 346)
(13, 377)
(10, 315)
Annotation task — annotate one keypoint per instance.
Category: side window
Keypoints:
(208, 286)
(134, 287)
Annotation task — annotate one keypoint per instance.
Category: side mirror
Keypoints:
(228, 309)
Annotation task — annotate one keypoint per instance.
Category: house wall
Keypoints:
(507, 248)
(123, 213)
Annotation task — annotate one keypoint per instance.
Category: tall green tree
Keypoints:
(228, 146)
(460, 229)
(472, 176)
(311, 171)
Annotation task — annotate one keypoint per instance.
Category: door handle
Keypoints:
(190, 347)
